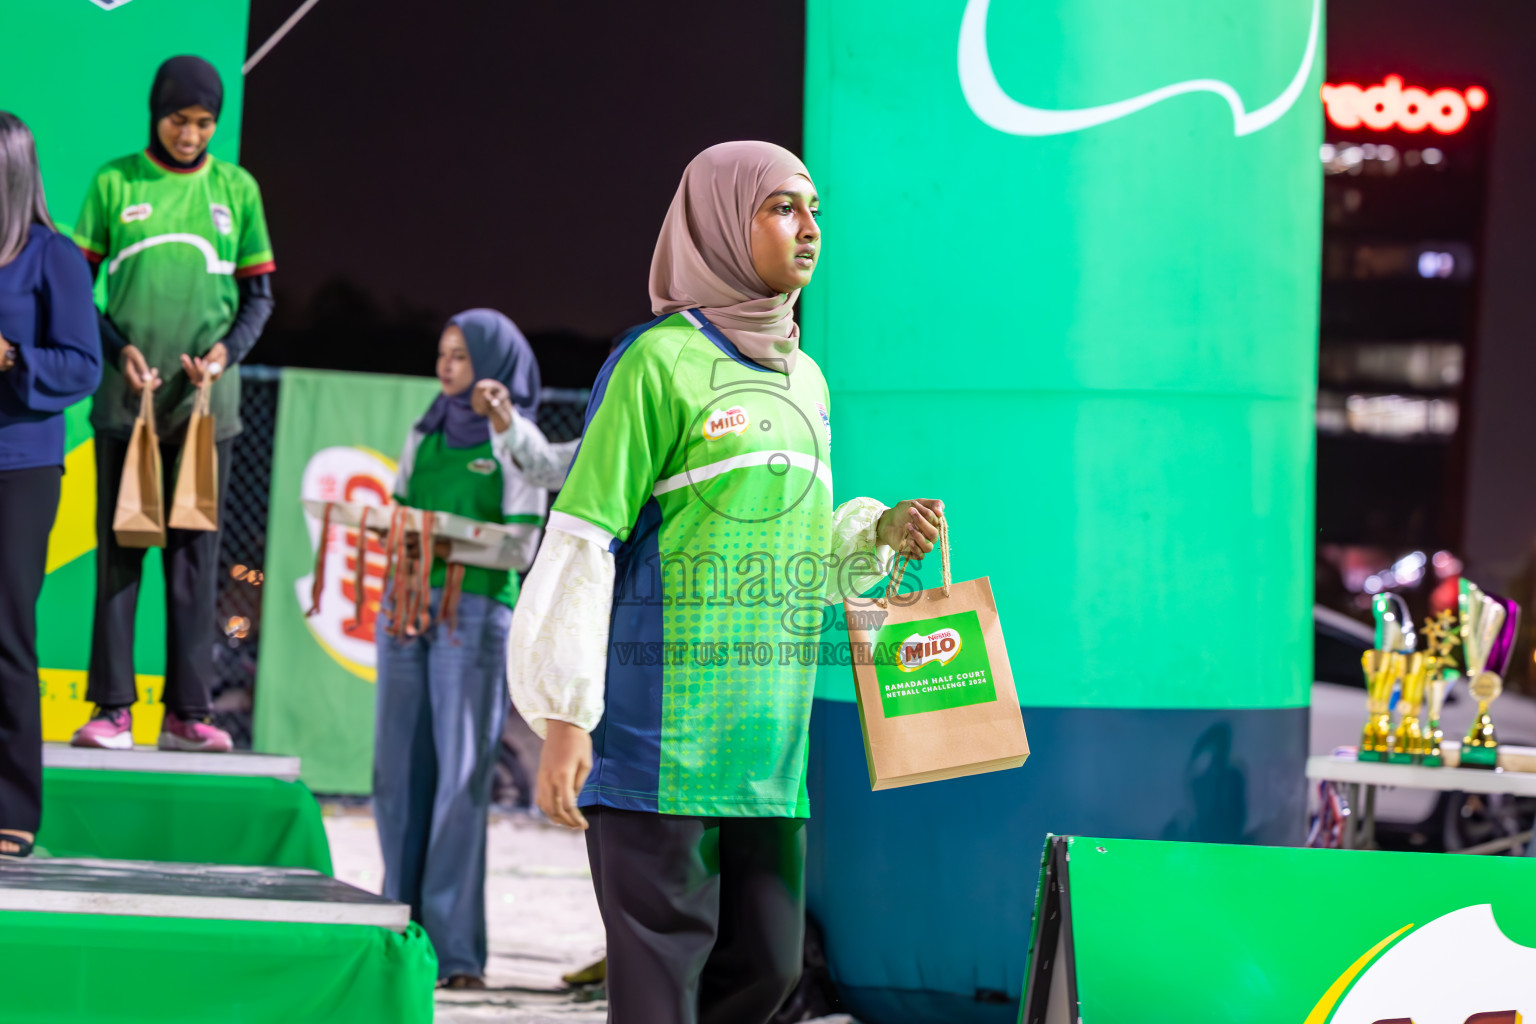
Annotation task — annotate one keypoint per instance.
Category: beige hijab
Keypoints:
(703, 257)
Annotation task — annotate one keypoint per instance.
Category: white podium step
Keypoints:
(203, 891)
(152, 759)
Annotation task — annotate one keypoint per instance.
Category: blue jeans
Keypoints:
(442, 701)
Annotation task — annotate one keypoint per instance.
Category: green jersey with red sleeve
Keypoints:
(171, 245)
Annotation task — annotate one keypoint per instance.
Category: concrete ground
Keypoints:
(542, 918)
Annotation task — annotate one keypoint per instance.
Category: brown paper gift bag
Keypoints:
(195, 505)
(935, 692)
(139, 519)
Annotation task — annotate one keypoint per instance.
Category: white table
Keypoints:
(1368, 775)
(152, 759)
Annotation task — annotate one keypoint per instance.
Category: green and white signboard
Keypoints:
(1167, 933)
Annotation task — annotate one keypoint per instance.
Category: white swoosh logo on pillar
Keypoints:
(999, 110)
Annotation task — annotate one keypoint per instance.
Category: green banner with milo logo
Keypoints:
(337, 439)
(1167, 933)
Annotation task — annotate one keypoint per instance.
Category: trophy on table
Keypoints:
(1440, 640)
(1488, 638)
(1382, 671)
(1384, 667)
(1407, 746)
(1394, 624)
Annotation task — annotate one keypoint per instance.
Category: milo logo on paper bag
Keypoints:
(932, 664)
(918, 650)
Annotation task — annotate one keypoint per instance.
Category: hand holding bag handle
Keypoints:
(934, 688)
(903, 560)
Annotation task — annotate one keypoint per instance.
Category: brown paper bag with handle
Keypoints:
(195, 503)
(139, 519)
(935, 691)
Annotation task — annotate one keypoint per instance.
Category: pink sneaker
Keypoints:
(109, 728)
(202, 737)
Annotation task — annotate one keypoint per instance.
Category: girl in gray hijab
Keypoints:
(702, 475)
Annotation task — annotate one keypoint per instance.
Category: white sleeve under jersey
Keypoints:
(557, 653)
(541, 462)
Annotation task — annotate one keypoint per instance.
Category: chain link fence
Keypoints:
(243, 540)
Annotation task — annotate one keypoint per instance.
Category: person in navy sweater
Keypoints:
(50, 358)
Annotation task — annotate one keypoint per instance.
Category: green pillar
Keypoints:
(1070, 286)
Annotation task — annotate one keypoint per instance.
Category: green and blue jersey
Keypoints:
(707, 475)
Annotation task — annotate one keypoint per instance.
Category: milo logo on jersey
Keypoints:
(345, 473)
(932, 664)
(918, 650)
(726, 421)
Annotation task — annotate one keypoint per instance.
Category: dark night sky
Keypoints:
(419, 158)
(1489, 42)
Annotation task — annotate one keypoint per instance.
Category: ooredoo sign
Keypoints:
(1409, 108)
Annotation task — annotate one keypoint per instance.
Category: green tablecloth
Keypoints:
(199, 819)
(88, 968)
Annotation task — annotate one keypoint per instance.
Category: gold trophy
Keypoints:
(1481, 747)
(1487, 637)
(1407, 746)
(1382, 670)
(1440, 639)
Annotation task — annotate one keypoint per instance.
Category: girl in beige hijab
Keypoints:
(708, 255)
(671, 740)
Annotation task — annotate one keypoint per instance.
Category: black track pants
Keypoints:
(28, 500)
(191, 563)
(705, 916)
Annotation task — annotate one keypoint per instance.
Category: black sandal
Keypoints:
(464, 981)
(27, 846)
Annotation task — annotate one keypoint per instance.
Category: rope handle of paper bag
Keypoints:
(903, 560)
(202, 403)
